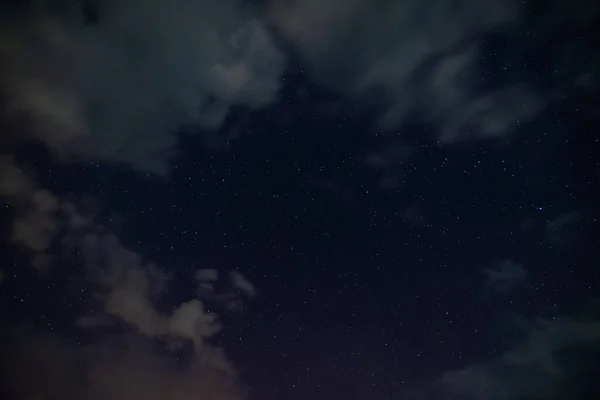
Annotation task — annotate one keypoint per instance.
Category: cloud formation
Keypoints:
(552, 361)
(134, 347)
(419, 56)
(111, 80)
(424, 58)
(138, 351)
(505, 276)
(34, 224)
(563, 229)
(240, 282)
(126, 367)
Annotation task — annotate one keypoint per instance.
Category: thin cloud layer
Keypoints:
(420, 56)
(125, 367)
(34, 225)
(112, 80)
(129, 288)
(133, 349)
(240, 282)
(424, 58)
(138, 350)
(504, 277)
(551, 362)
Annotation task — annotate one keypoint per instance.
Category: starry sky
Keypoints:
(280, 200)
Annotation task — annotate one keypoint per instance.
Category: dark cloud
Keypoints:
(139, 359)
(548, 363)
(240, 282)
(389, 46)
(563, 229)
(111, 80)
(34, 225)
(560, 230)
(391, 160)
(117, 89)
(121, 367)
(432, 61)
(132, 345)
(505, 276)
(413, 216)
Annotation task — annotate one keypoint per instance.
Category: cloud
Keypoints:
(36, 228)
(111, 80)
(420, 56)
(123, 367)
(129, 288)
(504, 277)
(391, 161)
(551, 362)
(239, 281)
(424, 59)
(413, 216)
(388, 156)
(14, 182)
(136, 347)
(147, 358)
(149, 352)
(34, 225)
(110, 84)
(207, 275)
(562, 229)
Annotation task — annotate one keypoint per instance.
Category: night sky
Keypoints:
(280, 200)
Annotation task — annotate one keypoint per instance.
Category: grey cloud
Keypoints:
(123, 367)
(425, 57)
(562, 220)
(239, 281)
(389, 156)
(130, 288)
(124, 364)
(546, 364)
(559, 230)
(413, 216)
(504, 277)
(34, 225)
(207, 275)
(37, 226)
(14, 183)
(112, 92)
(127, 289)
(231, 295)
(491, 115)
(391, 161)
(116, 89)
(206, 278)
(563, 229)
(387, 45)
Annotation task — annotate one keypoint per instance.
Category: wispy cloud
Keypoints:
(562, 229)
(546, 364)
(419, 56)
(239, 281)
(424, 56)
(136, 349)
(116, 86)
(504, 277)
